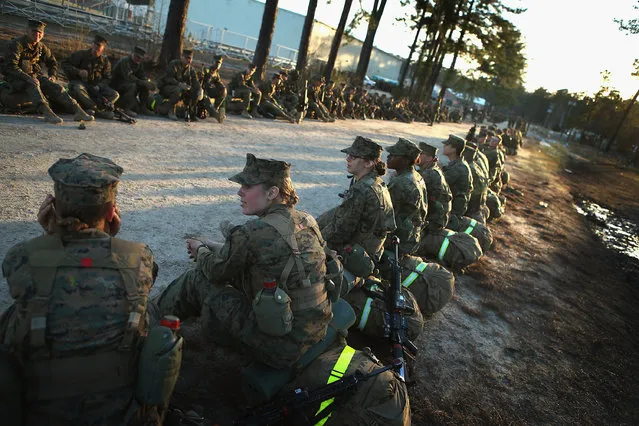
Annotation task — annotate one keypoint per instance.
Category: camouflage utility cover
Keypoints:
(404, 147)
(364, 148)
(86, 179)
(259, 170)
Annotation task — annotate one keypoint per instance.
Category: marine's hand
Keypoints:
(52, 78)
(47, 216)
(192, 246)
(115, 223)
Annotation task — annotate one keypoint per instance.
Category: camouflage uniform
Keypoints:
(439, 195)
(24, 63)
(242, 86)
(224, 285)
(178, 72)
(460, 181)
(408, 194)
(94, 93)
(366, 216)
(269, 105)
(131, 82)
(95, 289)
(315, 102)
(496, 163)
(477, 203)
(213, 86)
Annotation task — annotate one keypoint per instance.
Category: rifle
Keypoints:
(395, 325)
(290, 409)
(105, 104)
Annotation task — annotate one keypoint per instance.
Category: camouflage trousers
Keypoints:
(175, 94)
(227, 319)
(46, 91)
(272, 108)
(129, 93)
(437, 217)
(250, 96)
(218, 93)
(92, 97)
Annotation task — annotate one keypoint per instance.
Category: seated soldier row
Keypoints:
(97, 90)
(270, 290)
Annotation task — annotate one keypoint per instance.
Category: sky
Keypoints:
(568, 42)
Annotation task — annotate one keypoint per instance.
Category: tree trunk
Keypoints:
(266, 36)
(174, 32)
(337, 40)
(367, 47)
(458, 46)
(609, 143)
(404, 71)
(302, 54)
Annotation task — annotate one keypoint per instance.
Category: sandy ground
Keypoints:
(543, 330)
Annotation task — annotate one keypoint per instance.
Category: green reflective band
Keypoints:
(413, 275)
(444, 247)
(341, 365)
(153, 105)
(365, 313)
(470, 228)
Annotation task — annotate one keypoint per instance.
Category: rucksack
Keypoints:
(430, 283)
(451, 249)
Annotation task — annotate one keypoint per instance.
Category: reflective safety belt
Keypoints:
(471, 226)
(366, 311)
(339, 369)
(444, 247)
(153, 105)
(413, 275)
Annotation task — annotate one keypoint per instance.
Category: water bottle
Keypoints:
(272, 308)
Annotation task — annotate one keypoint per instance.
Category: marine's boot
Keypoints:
(145, 111)
(105, 114)
(49, 115)
(246, 114)
(221, 115)
(81, 115)
(172, 115)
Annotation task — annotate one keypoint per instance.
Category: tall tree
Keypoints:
(420, 20)
(174, 32)
(367, 48)
(337, 40)
(266, 36)
(302, 54)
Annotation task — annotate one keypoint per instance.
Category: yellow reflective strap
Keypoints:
(413, 275)
(444, 247)
(153, 105)
(366, 311)
(471, 226)
(339, 369)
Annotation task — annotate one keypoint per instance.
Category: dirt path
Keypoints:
(542, 330)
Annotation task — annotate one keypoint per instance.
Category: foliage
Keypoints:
(630, 26)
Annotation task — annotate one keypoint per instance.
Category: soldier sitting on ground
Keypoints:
(243, 87)
(132, 83)
(439, 195)
(180, 83)
(269, 106)
(89, 74)
(76, 328)
(23, 71)
(214, 90)
(242, 287)
(458, 177)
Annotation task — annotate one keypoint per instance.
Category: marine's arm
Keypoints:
(347, 216)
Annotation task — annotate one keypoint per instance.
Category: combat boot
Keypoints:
(172, 115)
(81, 115)
(49, 115)
(246, 114)
(221, 115)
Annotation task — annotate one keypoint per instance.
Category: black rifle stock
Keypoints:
(290, 409)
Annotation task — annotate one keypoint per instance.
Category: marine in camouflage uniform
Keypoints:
(459, 178)
(439, 195)
(315, 104)
(496, 160)
(408, 193)
(477, 203)
(242, 86)
(23, 71)
(366, 216)
(89, 74)
(269, 106)
(180, 83)
(80, 304)
(132, 83)
(214, 89)
(228, 279)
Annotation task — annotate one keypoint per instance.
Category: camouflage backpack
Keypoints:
(430, 283)
(478, 230)
(451, 249)
(380, 400)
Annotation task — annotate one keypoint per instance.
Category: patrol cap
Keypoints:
(428, 149)
(456, 142)
(139, 50)
(85, 180)
(98, 39)
(187, 52)
(404, 147)
(259, 170)
(36, 25)
(364, 148)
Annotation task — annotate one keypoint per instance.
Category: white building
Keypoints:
(237, 23)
